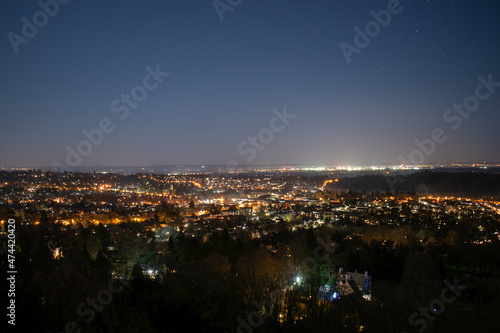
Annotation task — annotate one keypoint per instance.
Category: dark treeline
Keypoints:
(463, 183)
(214, 284)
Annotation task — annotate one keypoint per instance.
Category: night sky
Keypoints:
(226, 77)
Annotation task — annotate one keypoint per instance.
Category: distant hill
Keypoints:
(425, 182)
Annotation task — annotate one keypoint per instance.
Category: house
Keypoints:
(354, 283)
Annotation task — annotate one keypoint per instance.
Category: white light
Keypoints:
(297, 279)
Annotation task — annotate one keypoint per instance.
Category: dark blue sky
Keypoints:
(227, 76)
